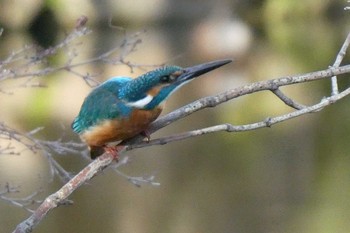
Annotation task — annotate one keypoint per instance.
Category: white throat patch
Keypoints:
(141, 103)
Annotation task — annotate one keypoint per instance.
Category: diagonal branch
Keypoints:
(273, 85)
(288, 101)
(212, 101)
(59, 197)
(268, 122)
(338, 60)
(106, 159)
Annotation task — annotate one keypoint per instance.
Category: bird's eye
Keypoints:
(165, 79)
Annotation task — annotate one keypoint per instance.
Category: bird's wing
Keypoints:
(101, 104)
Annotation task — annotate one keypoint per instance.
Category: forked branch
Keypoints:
(273, 85)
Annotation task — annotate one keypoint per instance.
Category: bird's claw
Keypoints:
(113, 150)
(147, 135)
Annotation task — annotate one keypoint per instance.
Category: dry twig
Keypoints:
(30, 63)
(273, 85)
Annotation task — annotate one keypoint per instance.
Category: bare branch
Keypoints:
(30, 66)
(30, 62)
(35, 145)
(213, 101)
(137, 181)
(288, 101)
(59, 197)
(268, 122)
(338, 60)
(20, 202)
(106, 159)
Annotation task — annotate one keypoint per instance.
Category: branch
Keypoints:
(106, 159)
(213, 101)
(338, 60)
(273, 85)
(288, 101)
(268, 122)
(59, 197)
(31, 62)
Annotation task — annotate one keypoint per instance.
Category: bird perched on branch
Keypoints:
(122, 107)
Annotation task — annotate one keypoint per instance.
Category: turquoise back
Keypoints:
(101, 104)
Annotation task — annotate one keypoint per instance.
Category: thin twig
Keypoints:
(213, 101)
(62, 194)
(29, 68)
(268, 122)
(338, 60)
(106, 159)
(30, 60)
(288, 101)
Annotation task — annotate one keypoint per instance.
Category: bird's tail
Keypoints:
(96, 151)
(76, 125)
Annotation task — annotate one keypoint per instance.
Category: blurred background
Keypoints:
(293, 177)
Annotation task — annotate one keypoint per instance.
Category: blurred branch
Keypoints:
(31, 62)
(137, 181)
(273, 85)
(20, 202)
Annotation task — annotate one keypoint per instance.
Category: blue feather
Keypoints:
(101, 104)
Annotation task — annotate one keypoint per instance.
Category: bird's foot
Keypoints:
(114, 151)
(146, 134)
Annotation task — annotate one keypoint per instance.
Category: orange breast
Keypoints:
(120, 129)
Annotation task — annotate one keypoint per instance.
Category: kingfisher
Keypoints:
(121, 107)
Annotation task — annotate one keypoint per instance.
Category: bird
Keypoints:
(122, 107)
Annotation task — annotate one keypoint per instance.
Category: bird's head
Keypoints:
(152, 88)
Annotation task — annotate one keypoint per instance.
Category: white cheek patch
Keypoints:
(177, 88)
(141, 103)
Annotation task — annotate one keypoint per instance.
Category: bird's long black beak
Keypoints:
(195, 71)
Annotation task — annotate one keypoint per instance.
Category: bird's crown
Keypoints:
(151, 88)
